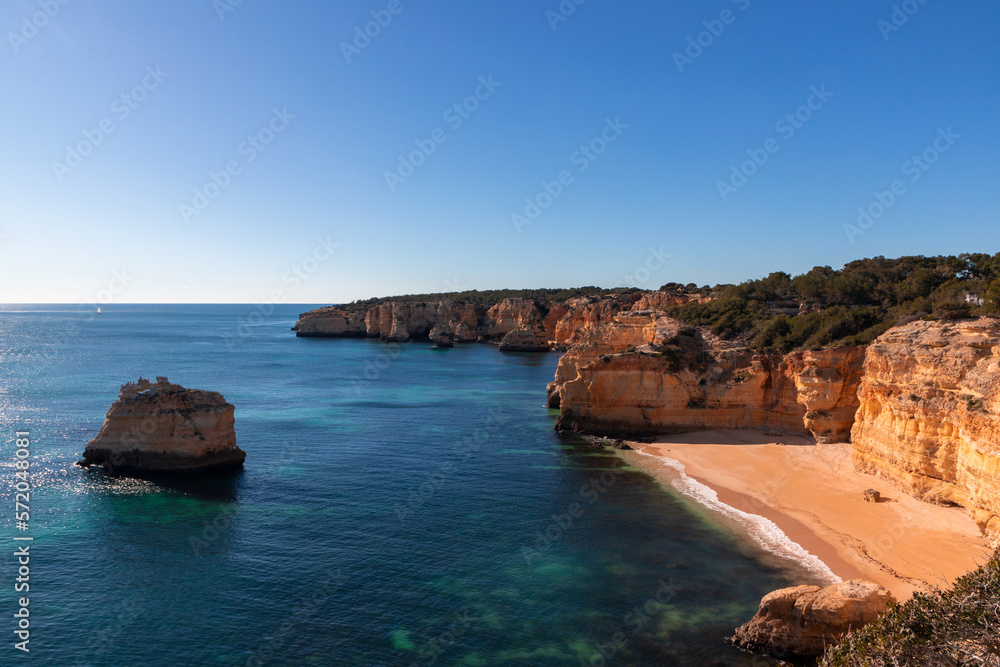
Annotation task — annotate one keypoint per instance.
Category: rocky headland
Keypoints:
(802, 621)
(161, 427)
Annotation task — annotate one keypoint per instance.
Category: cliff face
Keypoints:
(681, 379)
(929, 415)
(600, 330)
(530, 324)
(163, 427)
(399, 322)
(332, 323)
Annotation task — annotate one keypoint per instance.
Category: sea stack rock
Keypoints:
(441, 337)
(800, 622)
(527, 338)
(160, 427)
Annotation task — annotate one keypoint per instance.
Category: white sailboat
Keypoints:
(98, 310)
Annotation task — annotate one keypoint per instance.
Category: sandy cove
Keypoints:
(813, 494)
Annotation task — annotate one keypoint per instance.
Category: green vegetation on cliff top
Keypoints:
(955, 627)
(850, 306)
(490, 298)
(819, 309)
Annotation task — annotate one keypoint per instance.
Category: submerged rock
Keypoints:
(160, 427)
(802, 621)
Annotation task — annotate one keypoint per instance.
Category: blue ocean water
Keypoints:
(400, 505)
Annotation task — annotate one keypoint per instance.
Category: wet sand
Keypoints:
(813, 494)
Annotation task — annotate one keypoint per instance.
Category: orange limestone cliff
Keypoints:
(516, 324)
(929, 415)
(392, 321)
(643, 373)
(161, 427)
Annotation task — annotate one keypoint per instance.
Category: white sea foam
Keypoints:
(761, 529)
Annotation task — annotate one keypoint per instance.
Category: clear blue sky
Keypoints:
(66, 230)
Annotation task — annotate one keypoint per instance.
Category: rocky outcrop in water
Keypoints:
(929, 415)
(441, 337)
(800, 622)
(527, 338)
(161, 427)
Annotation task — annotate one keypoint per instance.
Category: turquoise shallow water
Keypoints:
(400, 505)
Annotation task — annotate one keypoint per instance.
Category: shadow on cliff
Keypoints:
(737, 437)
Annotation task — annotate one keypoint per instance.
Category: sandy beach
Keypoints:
(813, 494)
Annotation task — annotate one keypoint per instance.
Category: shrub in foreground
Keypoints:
(956, 627)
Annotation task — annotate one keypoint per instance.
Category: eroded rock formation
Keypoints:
(929, 415)
(527, 338)
(802, 621)
(643, 373)
(441, 337)
(393, 321)
(163, 427)
(539, 324)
